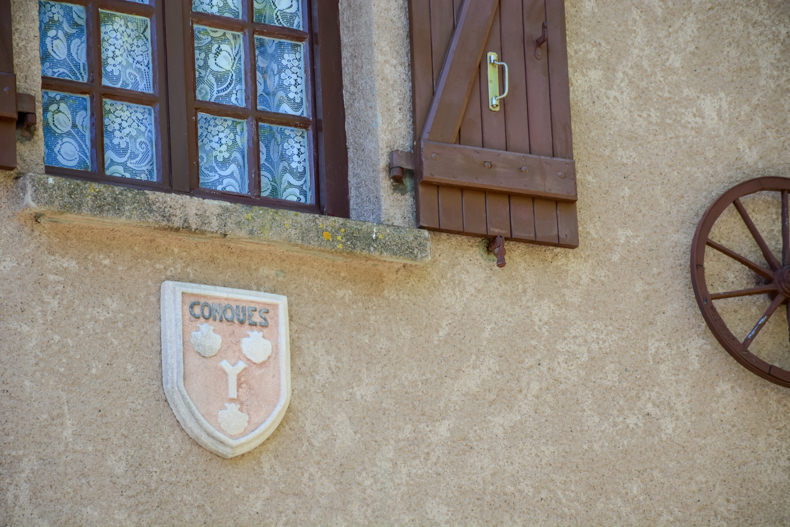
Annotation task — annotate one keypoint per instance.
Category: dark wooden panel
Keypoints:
(494, 138)
(558, 78)
(442, 26)
(451, 210)
(546, 221)
(331, 135)
(457, 75)
(522, 218)
(498, 213)
(515, 104)
(475, 220)
(487, 168)
(428, 206)
(539, 108)
(561, 112)
(568, 224)
(421, 61)
(422, 94)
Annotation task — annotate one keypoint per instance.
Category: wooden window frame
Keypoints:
(175, 105)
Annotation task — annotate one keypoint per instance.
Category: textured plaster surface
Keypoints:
(570, 387)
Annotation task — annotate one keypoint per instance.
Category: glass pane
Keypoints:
(286, 13)
(222, 153)
(129, 141)
(285, 164)
(139, 1)
(67, 141)
(230, 8)
(219, 66)
(280, 76)
(63, 42)
(126, 51)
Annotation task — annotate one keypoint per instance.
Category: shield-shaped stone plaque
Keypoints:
(225, 363)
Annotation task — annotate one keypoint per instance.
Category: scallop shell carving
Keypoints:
(205, 341)
(255, 347)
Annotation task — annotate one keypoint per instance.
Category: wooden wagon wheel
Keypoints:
(775, 274)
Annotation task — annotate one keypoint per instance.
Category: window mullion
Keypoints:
(179, 80)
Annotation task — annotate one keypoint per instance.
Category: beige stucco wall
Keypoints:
(571, 387)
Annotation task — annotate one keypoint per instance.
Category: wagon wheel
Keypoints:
(774, 274)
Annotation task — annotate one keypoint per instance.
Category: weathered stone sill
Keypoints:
(59, 199)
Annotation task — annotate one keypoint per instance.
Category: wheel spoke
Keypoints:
(761, 290)
(777, 301)
(785, 230)
(767, 254)
(759, 269)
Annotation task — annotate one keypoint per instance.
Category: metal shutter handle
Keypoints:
(493, 81)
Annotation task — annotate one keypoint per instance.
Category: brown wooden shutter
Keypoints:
(480, 172)
(8, 114)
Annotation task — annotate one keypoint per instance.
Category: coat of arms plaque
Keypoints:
(225, 363)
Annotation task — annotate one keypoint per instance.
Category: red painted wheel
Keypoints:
(766, 273)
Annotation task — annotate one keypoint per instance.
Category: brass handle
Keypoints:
(493, 81)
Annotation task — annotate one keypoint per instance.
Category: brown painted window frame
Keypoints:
(175, 107)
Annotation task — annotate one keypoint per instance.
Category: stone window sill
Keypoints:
(59, 199)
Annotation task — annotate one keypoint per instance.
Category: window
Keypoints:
(218, 98)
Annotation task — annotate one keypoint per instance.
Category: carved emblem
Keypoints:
(225, 363)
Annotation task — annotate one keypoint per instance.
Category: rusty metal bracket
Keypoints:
(496, 246)
(26, 114)
(400, 161)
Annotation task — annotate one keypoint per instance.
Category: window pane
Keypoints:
(126, 51)
(222, 153)
(286, 13)
(63, 42)
(129, 141)
(219, 60)
(285, 170)
(280, 76)
(67, 141)
(230, 8)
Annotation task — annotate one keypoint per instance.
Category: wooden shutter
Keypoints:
(480, 172)
(8, 113)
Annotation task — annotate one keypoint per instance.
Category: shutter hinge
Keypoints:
(19, 108)
(400, 161)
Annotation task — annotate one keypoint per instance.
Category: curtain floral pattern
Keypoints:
(285, 167)
(126, 51)
(286, 13)
(67, 141)
(129, 150)
(63, 41)
(280, 76)
(229, 8)
(219, 66)
(222, 153)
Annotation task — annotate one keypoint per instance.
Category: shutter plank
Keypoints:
(442, 25)
(8, 86)
(522, 218)
(515, 104)
(471, 133)
(546, 229)
(422, 94)
(539, 108)
(494, 137)
(561, 113)
(457, 76)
